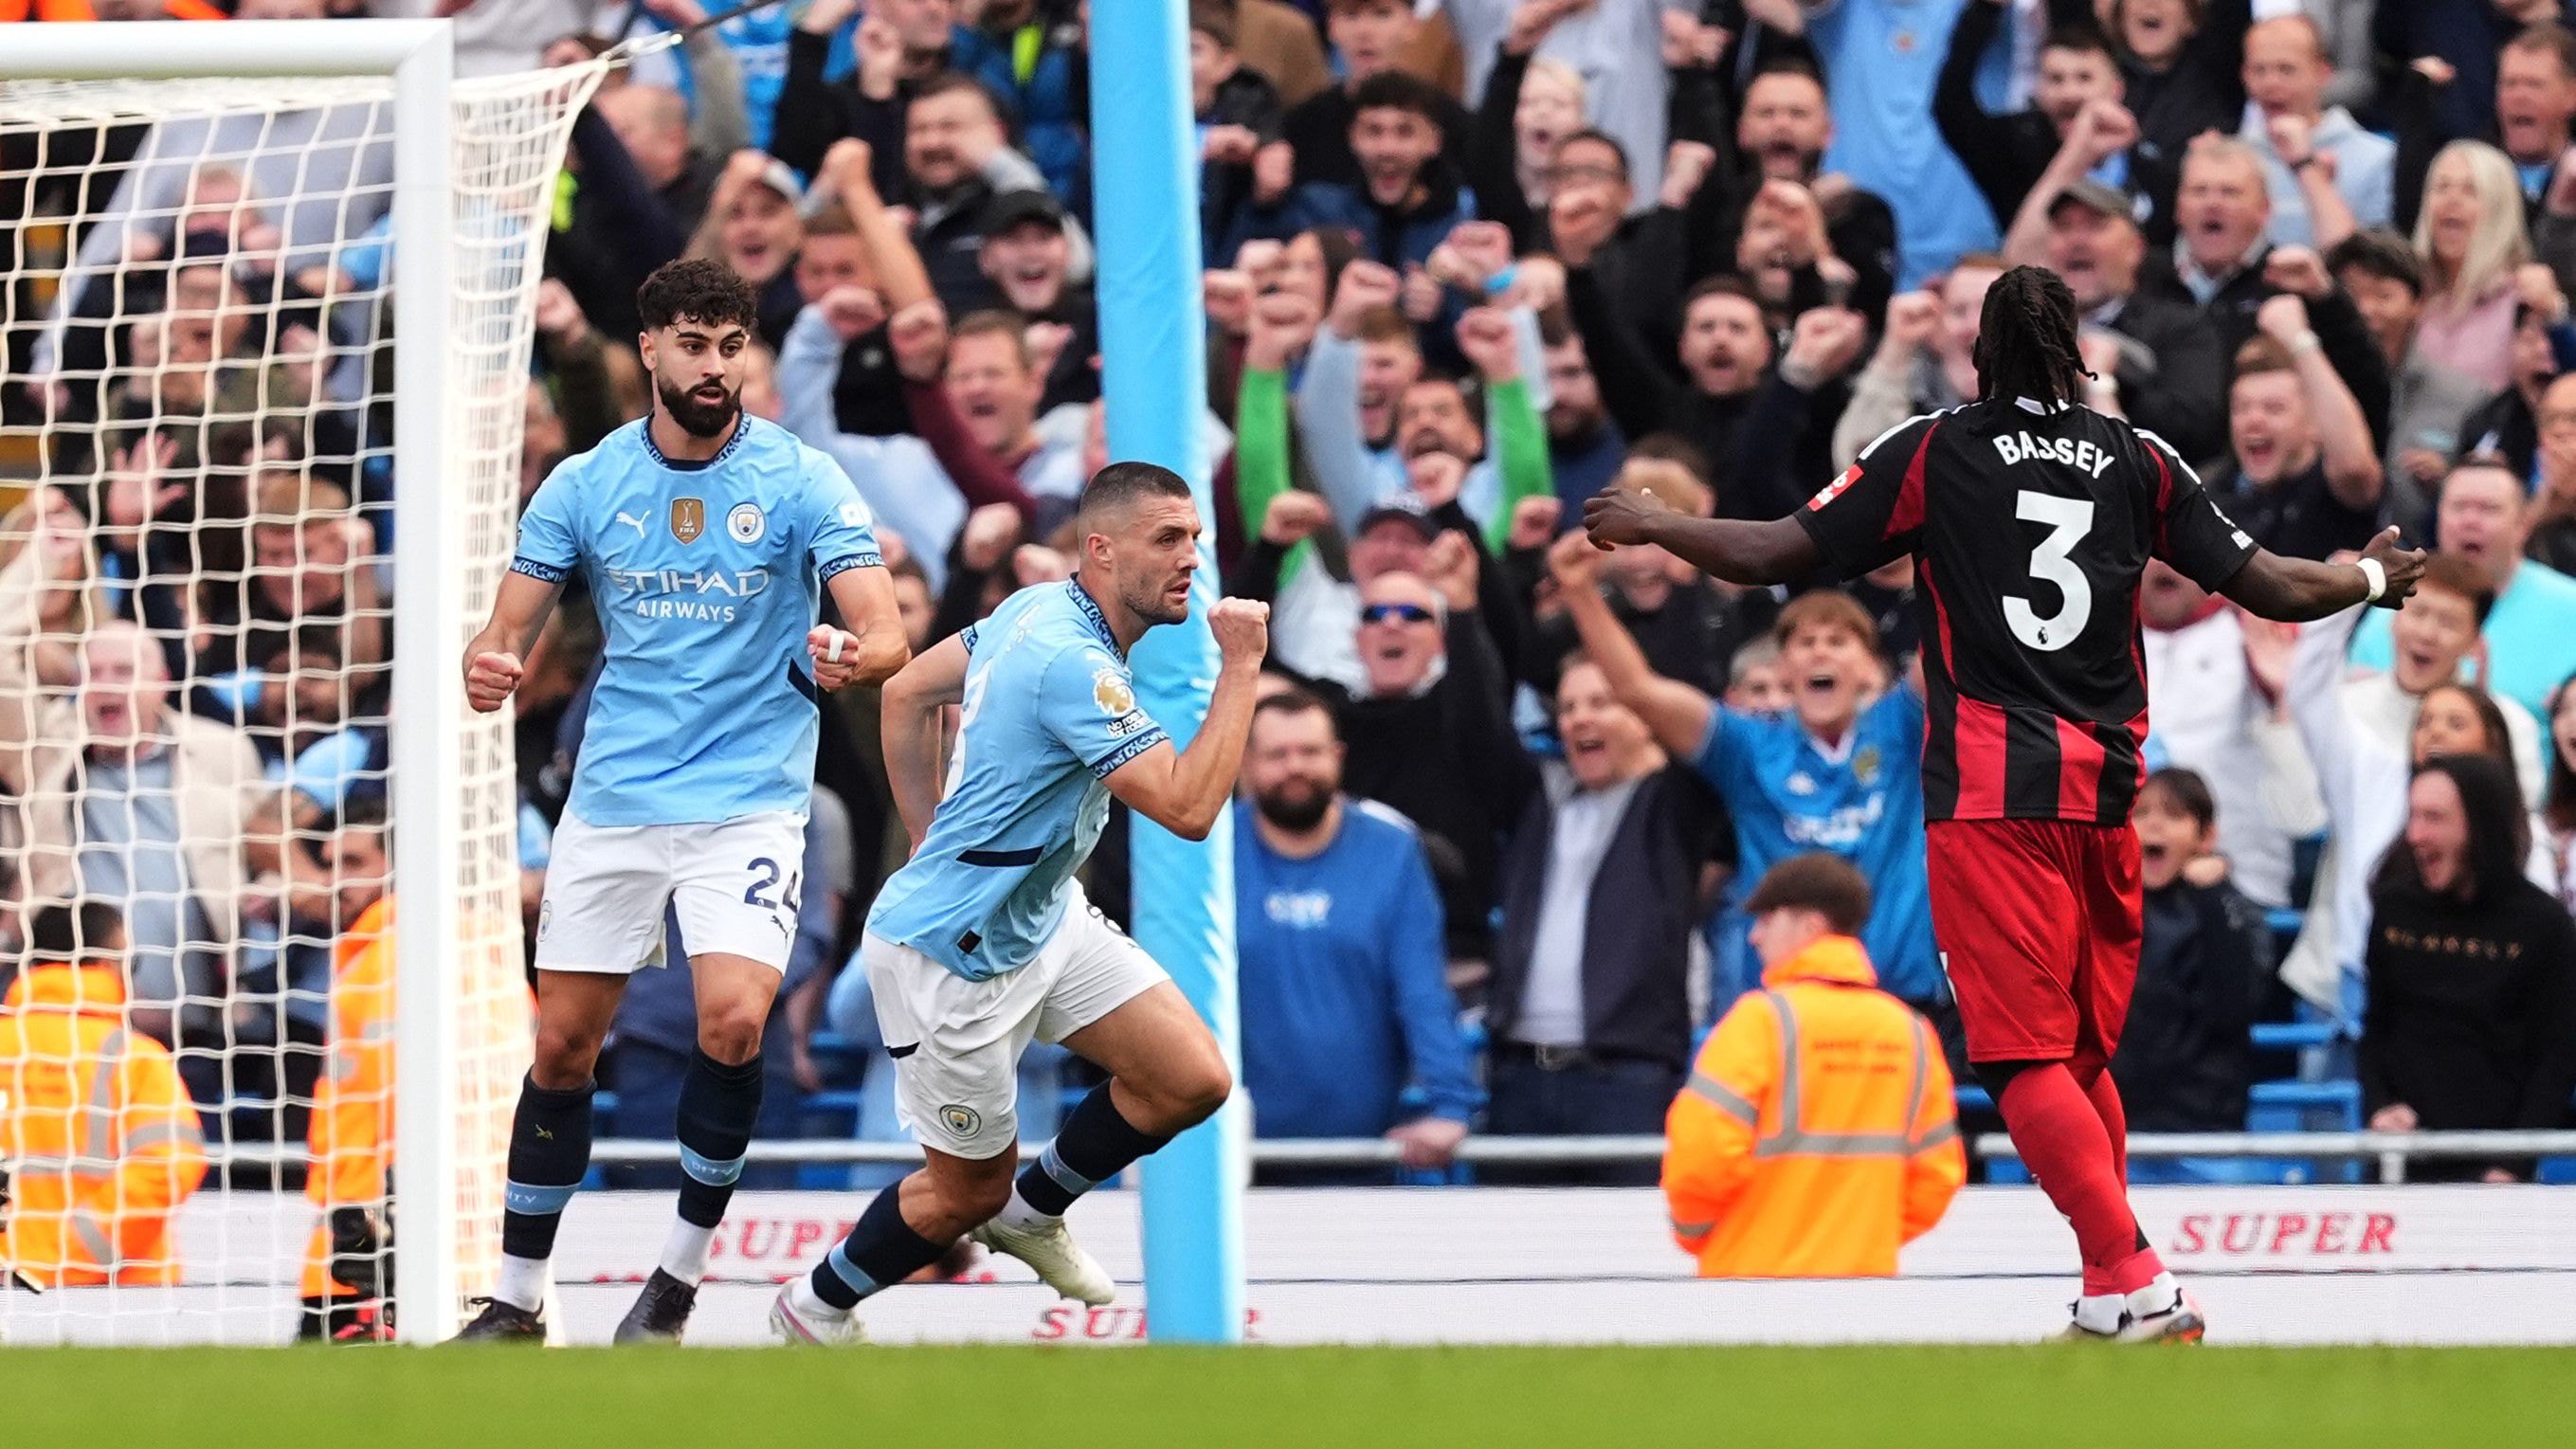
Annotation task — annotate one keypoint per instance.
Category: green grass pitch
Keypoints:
(1918, 1398)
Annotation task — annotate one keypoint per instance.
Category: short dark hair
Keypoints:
(1792, 67)
(1296, 700)
(79, 931)
(2454, 573)
(364, 811)
(949, 83)
(1817, 881)
(2552, 37)
(2379, 253)
(2187, 790)
(698, 289)
(1399, 91)
(2082, 36)
(1121, 484)
(1723, 284)
(1598, 137)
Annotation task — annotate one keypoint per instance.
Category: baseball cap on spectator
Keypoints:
(1404, 506)
(2097, 196)
(778, 176)
(1013, 207)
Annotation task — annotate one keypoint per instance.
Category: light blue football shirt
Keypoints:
(1788, 795)
(707, 578)
(1049, 711)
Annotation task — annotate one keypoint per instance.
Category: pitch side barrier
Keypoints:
(2392, 1149)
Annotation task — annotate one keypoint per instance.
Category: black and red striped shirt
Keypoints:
(2029, 526)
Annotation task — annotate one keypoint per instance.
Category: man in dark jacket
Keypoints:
(2005, 154)
(904, 45)
(1238, 113)
(1369, 38)
(1407, 196)
(2222, 268)
(2186, 1060)
(1430, 732)
(1590, 1006)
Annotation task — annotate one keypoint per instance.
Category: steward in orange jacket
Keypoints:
(97, 1134)
(351, 1139)
(1817, 1132)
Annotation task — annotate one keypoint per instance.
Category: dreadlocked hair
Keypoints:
(2026, 338)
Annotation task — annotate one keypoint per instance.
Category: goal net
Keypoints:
(267, 364)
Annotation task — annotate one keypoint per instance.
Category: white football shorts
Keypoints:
(957, 1043)
(736, 885)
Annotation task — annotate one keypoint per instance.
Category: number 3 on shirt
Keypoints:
(2068, 520)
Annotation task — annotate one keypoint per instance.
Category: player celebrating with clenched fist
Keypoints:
(983, 941)
(706, 537)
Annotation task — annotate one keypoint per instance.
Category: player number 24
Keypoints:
(770, 874)
(2068, 520)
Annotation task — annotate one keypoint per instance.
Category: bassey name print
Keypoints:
(2073, 452)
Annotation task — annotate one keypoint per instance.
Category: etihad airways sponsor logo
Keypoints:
(710, 595)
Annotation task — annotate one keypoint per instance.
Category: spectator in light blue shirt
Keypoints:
(2327, 176)
(1345, 993)
(2484, 513)
(1882, 60)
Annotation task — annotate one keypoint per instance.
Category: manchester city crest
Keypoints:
(746, 523)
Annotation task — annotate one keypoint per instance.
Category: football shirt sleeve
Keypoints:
(2193, 534)
(842, 532)
(1087, 699)
(1873, 512)
(549, 537)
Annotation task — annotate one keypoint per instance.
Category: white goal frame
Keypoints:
(429, 514)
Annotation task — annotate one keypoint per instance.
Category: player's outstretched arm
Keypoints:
(1754, 555)
(915, 753)
(495, 660)
(1182, 790)
(2296, 590)
(873, 647)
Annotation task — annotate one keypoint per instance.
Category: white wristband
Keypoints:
(2375, 575)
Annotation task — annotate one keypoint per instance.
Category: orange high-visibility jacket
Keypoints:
(352, 1136)
(1817, 1133)
(101, 1142)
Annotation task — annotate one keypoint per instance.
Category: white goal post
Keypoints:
(473, 185)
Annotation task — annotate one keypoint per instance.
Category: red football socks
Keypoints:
(2062, 1133)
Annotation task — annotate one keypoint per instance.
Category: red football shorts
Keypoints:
(2037, 922)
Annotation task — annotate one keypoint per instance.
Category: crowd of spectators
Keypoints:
(1469, 262)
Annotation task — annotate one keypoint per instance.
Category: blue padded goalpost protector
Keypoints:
(1145, 187)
